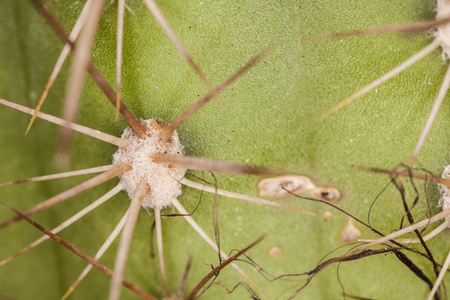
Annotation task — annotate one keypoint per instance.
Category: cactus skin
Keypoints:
(268, 120)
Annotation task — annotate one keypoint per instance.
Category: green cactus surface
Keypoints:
(268, 119)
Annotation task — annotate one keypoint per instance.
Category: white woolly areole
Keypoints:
(157, 177)
(444, 191)
(443, 31)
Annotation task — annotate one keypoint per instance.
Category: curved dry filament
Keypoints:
(203, 234)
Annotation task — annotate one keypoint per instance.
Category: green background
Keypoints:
(268, 119)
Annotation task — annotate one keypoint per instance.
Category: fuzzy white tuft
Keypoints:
(158, 177)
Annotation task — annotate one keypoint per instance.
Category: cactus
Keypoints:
(268, 119)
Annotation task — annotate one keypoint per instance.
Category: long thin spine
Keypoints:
(159, 241)
(179, 295)
(76, 79)
(92, 70)
(212, 165)
(429, 123)
(401, 232)
(72, 126)
(61, 197)
(213, 190)
(61, 59)
(138, 291)
(403, 66)
(125, 242)
(66, 223)
(203, 234)
(120, 20)
(98, 255)
(59, 175)
(427, 237)
(396, 28)
(407, 174)
(157, 13)
(109, 92)
(202, 102)
(440, 277)
(434, 111)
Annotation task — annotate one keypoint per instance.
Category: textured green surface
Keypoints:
(268, 119)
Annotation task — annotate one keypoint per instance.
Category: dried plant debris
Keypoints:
(414, 226)
(389, 243)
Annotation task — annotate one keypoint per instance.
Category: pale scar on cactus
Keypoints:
(278, 187)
